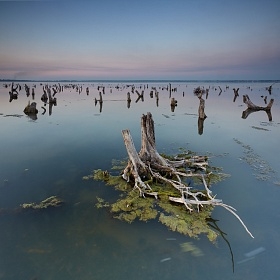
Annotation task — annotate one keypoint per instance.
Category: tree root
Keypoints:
(149, 165)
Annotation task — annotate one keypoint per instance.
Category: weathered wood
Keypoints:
(128, 100)
(149, 164)
(135, 167)
(13, 92)
(140, 96)
(100, 101)
(252, 106)
(201, 113)
(236, 94)
(30, 109)
(148, 152)
(173, 104)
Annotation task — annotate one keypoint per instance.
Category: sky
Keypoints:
(140, 39)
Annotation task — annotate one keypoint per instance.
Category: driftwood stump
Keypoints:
(251, 107)
(30, 109)
(148, 165)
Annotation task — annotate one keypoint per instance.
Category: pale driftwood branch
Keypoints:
(135, 165)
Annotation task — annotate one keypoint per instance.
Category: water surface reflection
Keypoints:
(50, 155)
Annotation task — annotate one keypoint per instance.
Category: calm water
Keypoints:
(49, 156)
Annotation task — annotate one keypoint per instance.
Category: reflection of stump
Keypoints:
(100, 100)
(200, 124)
(128, 100)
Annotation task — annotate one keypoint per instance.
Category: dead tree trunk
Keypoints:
(173, 104)
(148, 164)
(235, 94)
(100, 100)
(128, 100)
(140, 96)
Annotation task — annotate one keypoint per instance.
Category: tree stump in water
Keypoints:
(251, 107)
(30, 109)
(254, 107)
(148, 166)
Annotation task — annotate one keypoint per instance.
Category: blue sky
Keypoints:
(133, 39)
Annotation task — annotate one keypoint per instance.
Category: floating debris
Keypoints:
(14, 115)
(190, 247)
(165, 260)
(254, 252)
(38, 251)
(260, 128)
(251, 255)
(190, 114)
(245, 260)
(271, 124)
(264, 171)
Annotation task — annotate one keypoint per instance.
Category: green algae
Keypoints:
(52, 201)
(130, 206)
(101, 203)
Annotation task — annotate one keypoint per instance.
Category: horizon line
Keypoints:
(141, 80)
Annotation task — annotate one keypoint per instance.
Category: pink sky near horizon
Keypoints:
(170, 39)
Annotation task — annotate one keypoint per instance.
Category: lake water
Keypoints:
(48, 155)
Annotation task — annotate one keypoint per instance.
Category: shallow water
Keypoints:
(49, 156)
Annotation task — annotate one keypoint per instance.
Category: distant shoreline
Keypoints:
(138, 81)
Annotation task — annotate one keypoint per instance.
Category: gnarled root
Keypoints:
(148, 164)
